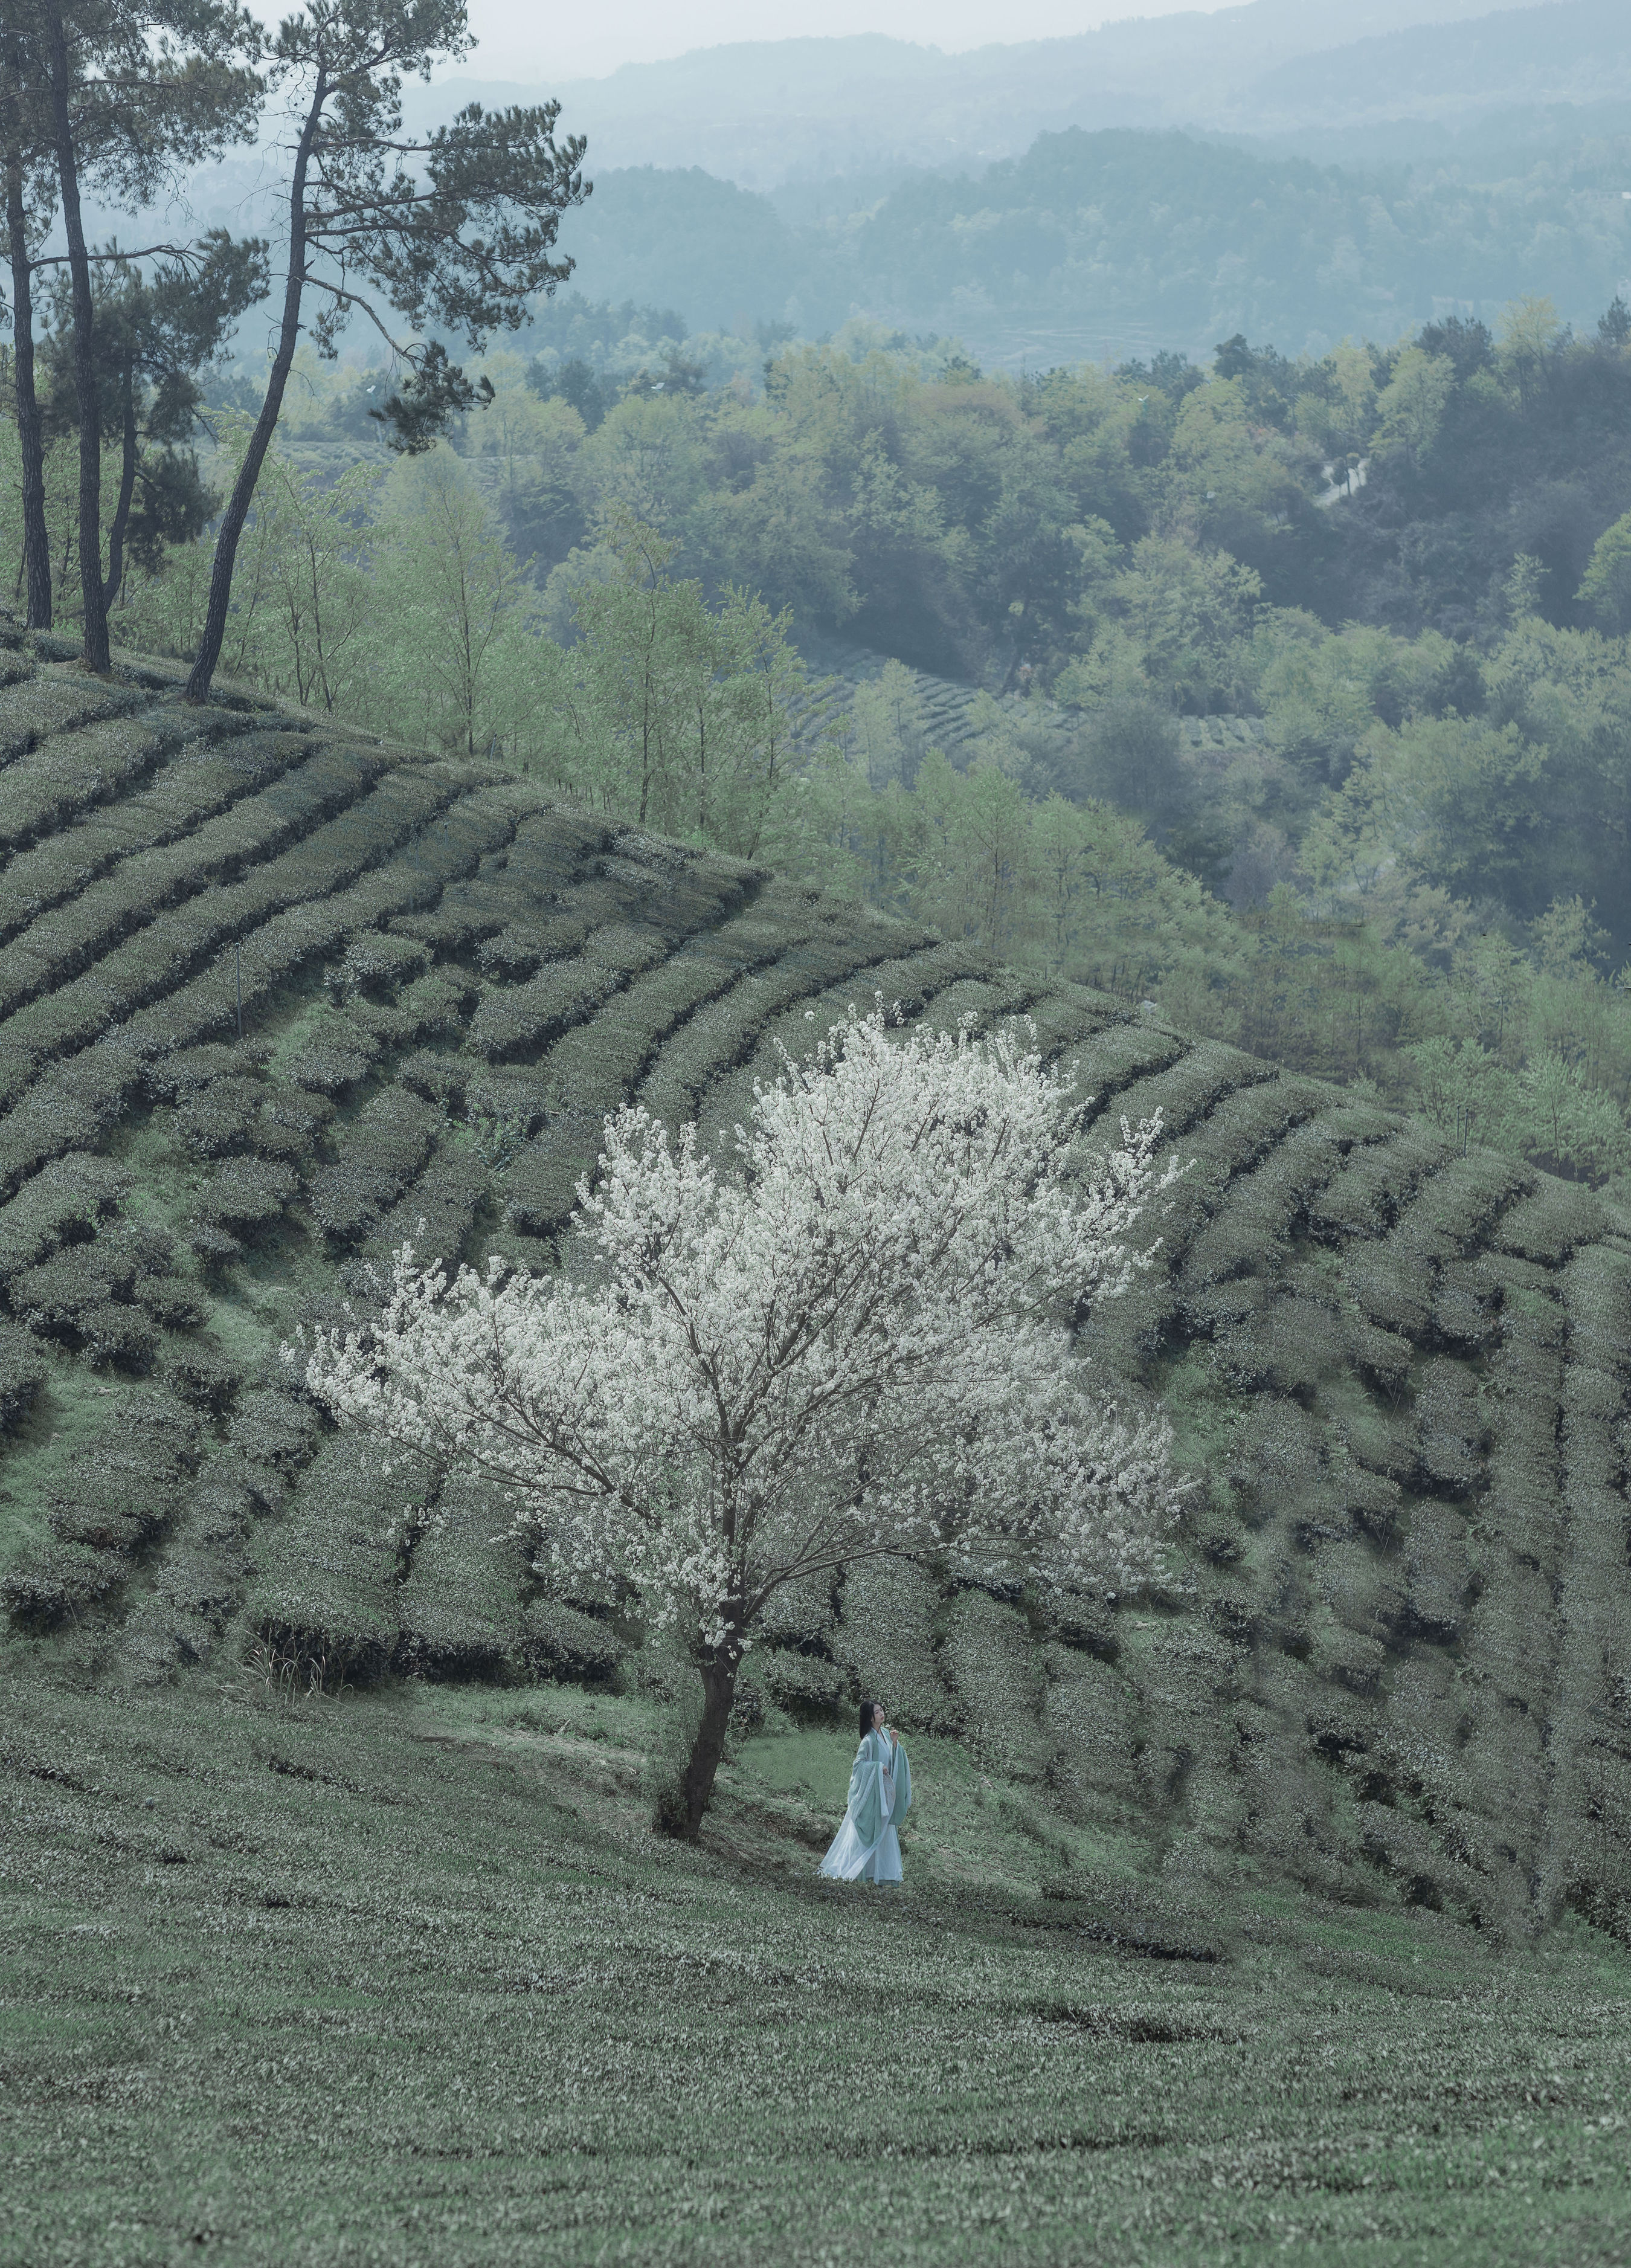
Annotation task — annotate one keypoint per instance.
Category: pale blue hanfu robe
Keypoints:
(867, 1846)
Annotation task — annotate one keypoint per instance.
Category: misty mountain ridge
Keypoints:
(765, 113)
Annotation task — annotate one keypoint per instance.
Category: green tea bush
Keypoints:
(1114, 1058)
(459, 1610)
(336, 1061)
(378, 964)
(58, 1581)
(1288, 1346)
(246, 1195)
(62, 1204)
(1191, 1087)
(561, 1641)
(438, 1212)
(806, 1685)
(292, 1122)
(203, 1373)
(519, 1020)
(153, 961)
(64, 748)
(1252, 1226)
(199, 1582)
(1065, 1015)
(990, 1660)
(440, 1078)
(1552, 1223)
(381, 1152)
(194, 781)
(124, 1483)
(23, 1370)
(724, 1033)
(74, 1106)
(55, 1296)
(1466, 1306)
(1090, 1728)
(1438, 1571)
(57, 945)
(1364, 1198)
(323, 1599)
(517, 950)
(222, 1117)
(274, 1432)
(1451, 1431)
(1247, 1124)
(885, 1643)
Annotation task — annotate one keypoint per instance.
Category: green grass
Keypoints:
(404, 1977)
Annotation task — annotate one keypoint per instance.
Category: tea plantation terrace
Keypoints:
(1393, 1660)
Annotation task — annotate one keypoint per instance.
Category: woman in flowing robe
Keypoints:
(867, 1846)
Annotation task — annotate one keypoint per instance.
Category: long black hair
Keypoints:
(867, 1708)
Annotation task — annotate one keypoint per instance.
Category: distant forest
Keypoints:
(1121, 241)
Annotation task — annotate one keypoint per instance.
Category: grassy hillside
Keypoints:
(1391, 1662)
(376, 1982)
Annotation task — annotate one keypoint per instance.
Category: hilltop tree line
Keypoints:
(1305, 710)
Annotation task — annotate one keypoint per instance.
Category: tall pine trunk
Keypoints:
(95, 654)
(237, 513)
(126, 483)
(30, 440)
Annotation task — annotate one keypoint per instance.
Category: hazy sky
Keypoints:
(520, 40)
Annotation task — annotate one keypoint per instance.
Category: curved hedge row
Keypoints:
(1389, 1657)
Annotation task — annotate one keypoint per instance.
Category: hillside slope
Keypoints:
(1393, 1659)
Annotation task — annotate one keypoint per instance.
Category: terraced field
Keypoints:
(1393, 1659)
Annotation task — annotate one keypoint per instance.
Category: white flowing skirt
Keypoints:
(851, 1859)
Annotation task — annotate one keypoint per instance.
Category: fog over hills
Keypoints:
(766, 113)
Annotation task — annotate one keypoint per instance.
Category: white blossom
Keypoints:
(854, 1338)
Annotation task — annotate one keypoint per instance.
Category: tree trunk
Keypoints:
(95, 650)
(718, 1692)
(127, 489)
(236, 511)
(31, 446)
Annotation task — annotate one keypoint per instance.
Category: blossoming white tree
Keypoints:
(858, 1342)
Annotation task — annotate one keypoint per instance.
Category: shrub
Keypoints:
(275, 1434)
(1437, 1570)
(437, 1213)
(193, 782)
(380, 1153)
(23, 1369)
(802, 1615)
(521, 1019)
(804, 1684)
(324, 1597)
(203, 1373)
(1365, 1197)
(1114, 1058)
(885, 1641)
(1450, 1425)
(460, 1610)
(64, 748)
(223, 1116)
(246, 1194)
(62, 1204)
(123, 1485)
(992, 1663)
(335, 1062)
(1091, 1721)
(292, 1122)
(1191, 1087)
(1552, 1223)
(561, 1641)
(57, 1581)
(379, 964)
